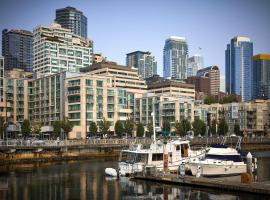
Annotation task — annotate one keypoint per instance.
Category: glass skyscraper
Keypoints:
(72, 19)
(144, 62)
(195, 63)
(261, 76)
(238, 66)
(175, 58)
(17, 48)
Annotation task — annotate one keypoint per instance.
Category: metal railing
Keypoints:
(67, 143)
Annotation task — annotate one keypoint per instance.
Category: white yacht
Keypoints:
(220, 160)
(137, 158)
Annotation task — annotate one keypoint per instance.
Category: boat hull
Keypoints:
(216, 170)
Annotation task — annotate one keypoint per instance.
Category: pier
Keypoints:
(262, 188)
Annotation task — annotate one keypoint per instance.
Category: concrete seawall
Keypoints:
(57, 155)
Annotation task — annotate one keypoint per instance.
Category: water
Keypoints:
(85, 180)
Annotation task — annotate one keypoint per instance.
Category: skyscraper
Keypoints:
(57, 49)
(175, 58)
(17, 48)
(238, 64)
(261, 76)
(194, 64)
(143, 61)
(72, 19)
(213, 74)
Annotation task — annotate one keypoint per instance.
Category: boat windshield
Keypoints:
(130, 157)
(235, 158)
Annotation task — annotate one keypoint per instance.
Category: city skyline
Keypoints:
(113, 36)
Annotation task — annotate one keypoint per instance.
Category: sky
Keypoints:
(118, 27)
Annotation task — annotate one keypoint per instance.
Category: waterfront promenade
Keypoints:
(106, 143)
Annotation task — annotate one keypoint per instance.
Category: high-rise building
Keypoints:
(57, 49)
(194, 64)
(17, 48)
(144, 62)
(238, 65)
(222, 83)
(175, 58)
(214, 77)
(72, 19)
(1, 79)
(261, 76)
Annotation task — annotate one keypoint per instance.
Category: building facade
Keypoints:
(175, 58)
(57, 49)
(165, 108)
(144, 62)
(17, 48)
(194, 64)
(172, 88)
(18, 86)
(202, 84)
(213, 74)
(261, 76)
(72, 19)
(238, 66)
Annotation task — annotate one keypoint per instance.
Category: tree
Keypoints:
(2, 126)
(213, 127)
(186, 125)
(179, 130)
(26, 128)
(140, 130)
(210, 100)
(236, 129)
(128, 127)
(66, 126)
(222, 127)
(35, 128)
(229, 99)
(119, 128)
(199, 127)
(104, 126)
(166, 126)
(57, 125)
(150, 130)
(93, 128)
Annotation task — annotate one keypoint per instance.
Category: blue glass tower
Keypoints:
(17, 48)
(261, 76)
(238, 67)
(72, 19)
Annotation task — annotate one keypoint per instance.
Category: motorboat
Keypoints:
(219, 160)
(160, 155)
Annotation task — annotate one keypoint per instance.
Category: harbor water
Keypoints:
(85, 180)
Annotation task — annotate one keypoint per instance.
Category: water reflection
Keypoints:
(85, 180)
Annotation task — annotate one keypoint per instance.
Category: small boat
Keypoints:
(220, 160)
(172, 154)
(111, 172)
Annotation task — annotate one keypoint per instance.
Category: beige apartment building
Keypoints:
(165, 108)
(92, 98)
(253, 117)
(173, 88)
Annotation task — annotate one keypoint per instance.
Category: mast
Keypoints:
(154, 130)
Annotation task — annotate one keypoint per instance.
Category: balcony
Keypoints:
(125, 110)
(73, 92)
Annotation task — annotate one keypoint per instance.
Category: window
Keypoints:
(74, 115)
(74, 107)
(99, 83)
(89, 82)
(157, 157)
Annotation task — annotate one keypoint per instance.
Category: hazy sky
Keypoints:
(118, 27)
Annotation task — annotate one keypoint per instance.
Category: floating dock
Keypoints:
(262, 188)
